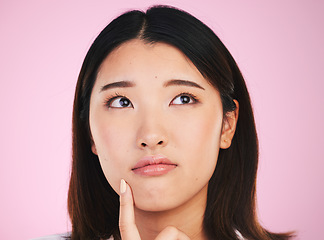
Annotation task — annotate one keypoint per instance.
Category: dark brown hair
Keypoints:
(94, 206)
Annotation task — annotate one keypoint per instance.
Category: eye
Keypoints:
(184, 98)
(119, 102)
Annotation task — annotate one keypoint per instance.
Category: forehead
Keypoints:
(135, 49)
(136, 59)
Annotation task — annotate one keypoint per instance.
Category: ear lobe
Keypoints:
(229, 127)
(93, 148)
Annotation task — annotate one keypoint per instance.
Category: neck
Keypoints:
(187, 217)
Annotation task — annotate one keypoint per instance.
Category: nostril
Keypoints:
(143, 144)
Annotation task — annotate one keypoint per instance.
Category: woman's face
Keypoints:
(157, 123)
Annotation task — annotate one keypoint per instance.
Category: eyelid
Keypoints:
(113, 97)
(192, 96)
(116, 95)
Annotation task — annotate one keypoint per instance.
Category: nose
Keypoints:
(151, 134)
(152, 142)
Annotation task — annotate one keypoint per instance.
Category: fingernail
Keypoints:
(122, 186)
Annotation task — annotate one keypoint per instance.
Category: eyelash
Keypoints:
(192, 96)
(111, 98)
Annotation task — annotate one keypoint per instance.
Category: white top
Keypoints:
(63, 236)
(58, 237)
(52, 237)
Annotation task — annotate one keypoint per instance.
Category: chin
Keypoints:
(155, 201)
(152, 205)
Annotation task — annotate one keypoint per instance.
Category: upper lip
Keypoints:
(152, 160)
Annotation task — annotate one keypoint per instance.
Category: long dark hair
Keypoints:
(93, 205)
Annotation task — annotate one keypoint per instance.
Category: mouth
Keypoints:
(154, 165)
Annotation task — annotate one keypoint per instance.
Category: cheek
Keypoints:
(197, 142)
(205, 143)
(106, 137)
(112, 147)
(200, 132)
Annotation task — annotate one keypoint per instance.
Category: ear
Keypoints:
(93, 148)
(229, 127)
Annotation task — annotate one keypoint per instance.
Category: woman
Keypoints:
(164, 139)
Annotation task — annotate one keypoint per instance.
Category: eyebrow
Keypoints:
(178, 82)
(120, 84)
(173, 82)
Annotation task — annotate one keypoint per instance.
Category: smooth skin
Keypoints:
(127, 225)
(149, 99)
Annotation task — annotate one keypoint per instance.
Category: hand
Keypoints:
(127, 226)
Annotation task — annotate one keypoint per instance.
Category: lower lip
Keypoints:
(154, 170)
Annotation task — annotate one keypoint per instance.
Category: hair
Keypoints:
(231, 200)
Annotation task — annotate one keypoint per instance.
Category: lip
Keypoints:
(154, 165)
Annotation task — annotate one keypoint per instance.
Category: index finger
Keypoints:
(127, 226)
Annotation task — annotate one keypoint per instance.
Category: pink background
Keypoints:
(277, 44)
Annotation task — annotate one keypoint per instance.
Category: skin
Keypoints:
(155, 119)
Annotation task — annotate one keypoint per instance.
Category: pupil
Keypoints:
(124, 102)
(185, 99)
